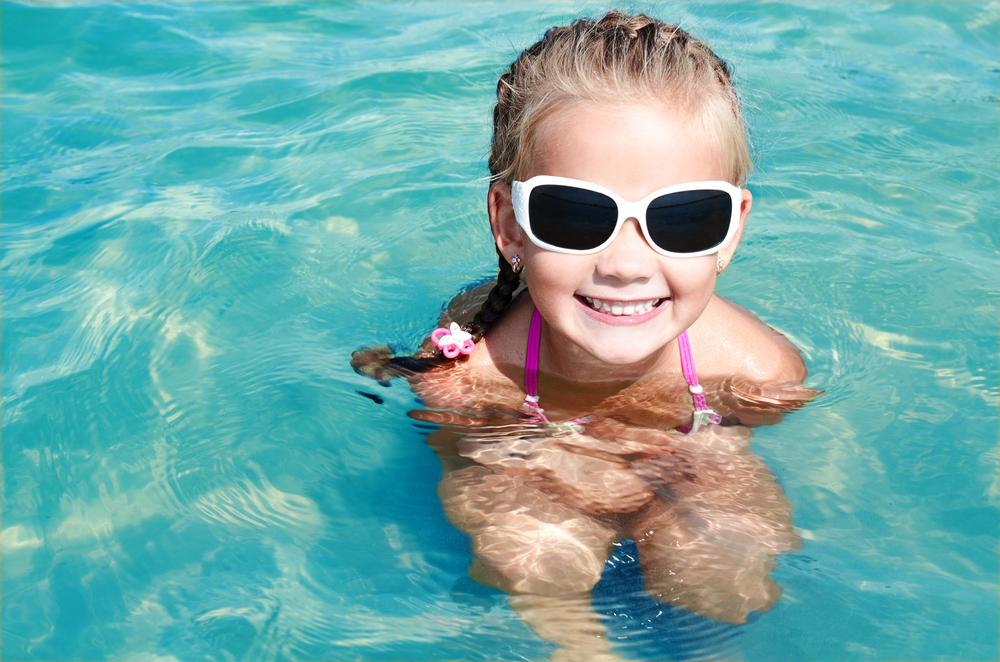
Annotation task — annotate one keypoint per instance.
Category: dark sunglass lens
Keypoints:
(689, 221)
(571, 217)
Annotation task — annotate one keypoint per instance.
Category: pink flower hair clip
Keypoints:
(453, 341)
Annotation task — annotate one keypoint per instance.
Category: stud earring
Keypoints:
(515, 263)
(719, 266)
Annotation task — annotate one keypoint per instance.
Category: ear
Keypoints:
(726, 253)
(506, 231)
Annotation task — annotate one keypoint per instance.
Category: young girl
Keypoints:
(572, 413)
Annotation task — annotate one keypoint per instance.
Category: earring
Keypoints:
(719, 266)
(515, 263)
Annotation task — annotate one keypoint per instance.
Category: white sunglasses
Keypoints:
(576, 217)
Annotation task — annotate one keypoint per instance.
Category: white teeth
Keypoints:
(619, 308)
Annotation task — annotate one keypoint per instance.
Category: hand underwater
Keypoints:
(577, 470)
(592, 486)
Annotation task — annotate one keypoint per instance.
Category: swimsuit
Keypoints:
(702, 413)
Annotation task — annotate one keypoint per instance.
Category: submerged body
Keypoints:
(543, 504)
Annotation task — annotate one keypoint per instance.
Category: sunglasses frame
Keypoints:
(521, 194)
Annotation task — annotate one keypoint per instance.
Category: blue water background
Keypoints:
(206, 207)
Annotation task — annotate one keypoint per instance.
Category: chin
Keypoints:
(628, 356)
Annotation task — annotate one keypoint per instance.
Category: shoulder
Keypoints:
(729, 340)
(491, 376)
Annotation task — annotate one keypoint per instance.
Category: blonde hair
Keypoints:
(619, 59)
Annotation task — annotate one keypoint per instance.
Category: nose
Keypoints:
(629, 257)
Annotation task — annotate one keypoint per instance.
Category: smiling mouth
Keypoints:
(622, 308)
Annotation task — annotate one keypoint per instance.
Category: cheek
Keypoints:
(692, 277)
(555, 271)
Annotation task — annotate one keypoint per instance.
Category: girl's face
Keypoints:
(633, 151)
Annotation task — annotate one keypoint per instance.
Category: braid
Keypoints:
(385, 365)
(380, 364)
(496, 303)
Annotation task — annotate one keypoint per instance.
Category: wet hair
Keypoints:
(621, 60)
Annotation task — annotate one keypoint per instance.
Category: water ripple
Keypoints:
(207, 206)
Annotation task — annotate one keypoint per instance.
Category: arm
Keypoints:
(381, 364)
(580, 471)
(708, 543)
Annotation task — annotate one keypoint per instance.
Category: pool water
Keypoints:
(208, 206)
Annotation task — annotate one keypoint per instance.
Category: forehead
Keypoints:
(632, 149)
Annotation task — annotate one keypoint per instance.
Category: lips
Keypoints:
(643, 310)
(622, 308)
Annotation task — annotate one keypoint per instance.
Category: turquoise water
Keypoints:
(208, 206)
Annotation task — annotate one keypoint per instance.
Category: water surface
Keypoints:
(208, 206)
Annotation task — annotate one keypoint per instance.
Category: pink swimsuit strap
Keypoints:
(690, 376)
(531, 355)
(702, 412)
